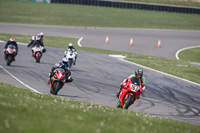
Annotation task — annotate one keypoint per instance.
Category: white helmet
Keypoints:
(70, 45)
(41, 34)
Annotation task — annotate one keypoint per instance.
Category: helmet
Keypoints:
(70, 45)
(139, 72)
(12, 39)
(41, 34)
(37, 38)
(65, 61)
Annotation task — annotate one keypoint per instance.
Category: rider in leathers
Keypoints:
(41, 35)
(138, 74)
(37, 39)
(11, 41)
(65, 65)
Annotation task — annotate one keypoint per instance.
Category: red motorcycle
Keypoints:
(131, 89)
(57, 80)
(37, 52)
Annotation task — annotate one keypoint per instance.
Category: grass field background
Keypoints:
(12, 11)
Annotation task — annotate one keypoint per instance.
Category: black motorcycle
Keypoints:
(10, 53)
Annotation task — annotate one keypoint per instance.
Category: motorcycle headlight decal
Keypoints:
(11, 50)
(134, 87)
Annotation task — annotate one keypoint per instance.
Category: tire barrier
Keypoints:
(132, 5)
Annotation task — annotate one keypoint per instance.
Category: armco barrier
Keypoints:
(132, 5)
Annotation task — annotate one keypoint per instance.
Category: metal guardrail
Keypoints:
(132, 5)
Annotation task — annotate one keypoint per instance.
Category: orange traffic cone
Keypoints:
(159, 43)
(107, 40)
(131, 42)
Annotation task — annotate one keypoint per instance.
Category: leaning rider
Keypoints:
(138, 74)
(64, 64)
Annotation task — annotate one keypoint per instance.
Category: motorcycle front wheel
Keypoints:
(38, 57)
(9, 59)
(56, 87)
(128, 102)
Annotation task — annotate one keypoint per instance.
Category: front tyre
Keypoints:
(128, 102)
(56, 87)
(38, 57)
(38, 60)
(9, 59)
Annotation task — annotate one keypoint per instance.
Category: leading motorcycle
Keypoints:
(10, 53)
(57, 80)
(37, 51)
(131, 89)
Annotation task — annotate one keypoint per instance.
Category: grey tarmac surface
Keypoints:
(97, 78)
(144, 40)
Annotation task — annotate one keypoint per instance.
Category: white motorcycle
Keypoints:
(71, 55)
(37, 52)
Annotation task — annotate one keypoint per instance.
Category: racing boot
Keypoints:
(44, 50)
(117, 95)
(49, 81)
(69, 79)
(138, 97)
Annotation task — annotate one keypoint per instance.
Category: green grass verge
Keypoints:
(50, 41)
(174, 67)
(23, 111)
(13, 11)
(192, 55)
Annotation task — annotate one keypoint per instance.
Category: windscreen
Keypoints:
(135, 81)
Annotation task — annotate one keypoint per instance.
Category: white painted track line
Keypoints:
(184, 49)
(32, 89)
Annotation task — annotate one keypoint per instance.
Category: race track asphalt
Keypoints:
(97, 76)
